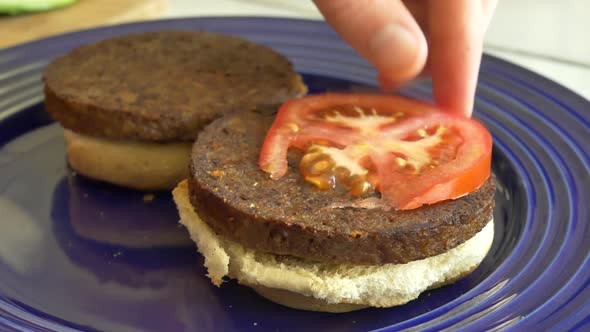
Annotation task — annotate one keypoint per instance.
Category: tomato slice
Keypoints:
(411, 152)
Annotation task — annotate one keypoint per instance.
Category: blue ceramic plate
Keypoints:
(80, 255)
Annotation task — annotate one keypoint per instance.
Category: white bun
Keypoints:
(300, 284)
(133, 164)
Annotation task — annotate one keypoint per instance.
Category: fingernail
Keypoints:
(394, 50)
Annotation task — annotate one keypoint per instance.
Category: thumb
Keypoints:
(382, 31)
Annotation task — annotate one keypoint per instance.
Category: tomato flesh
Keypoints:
(411, 152)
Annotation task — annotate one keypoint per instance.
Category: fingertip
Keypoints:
(386, 84)
(399, 53)
(382, 31)
(454, 101)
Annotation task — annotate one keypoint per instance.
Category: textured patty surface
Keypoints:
(163, 86)
(290, 217)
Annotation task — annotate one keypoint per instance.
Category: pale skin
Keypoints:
(405, 39)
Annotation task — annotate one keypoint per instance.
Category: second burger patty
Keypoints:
(163, 86)
(291, 217)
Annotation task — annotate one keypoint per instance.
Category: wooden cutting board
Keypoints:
(83, 14)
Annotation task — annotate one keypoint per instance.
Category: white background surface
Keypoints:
(550, 37)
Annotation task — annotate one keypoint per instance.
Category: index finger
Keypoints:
(456, 30)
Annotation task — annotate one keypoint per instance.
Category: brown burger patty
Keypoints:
(290, 217)
(163, 86)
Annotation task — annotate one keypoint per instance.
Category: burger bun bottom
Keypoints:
(314, 286)
(133, 164)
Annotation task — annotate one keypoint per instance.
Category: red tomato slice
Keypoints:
(411, 152)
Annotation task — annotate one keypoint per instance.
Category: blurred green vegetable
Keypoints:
(15, 7)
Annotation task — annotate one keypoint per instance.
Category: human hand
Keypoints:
(403, 39)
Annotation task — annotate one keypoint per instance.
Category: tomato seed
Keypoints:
(320, 166)
(401, 162)
(294, 127)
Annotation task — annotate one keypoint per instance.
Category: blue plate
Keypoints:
(80, 255)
